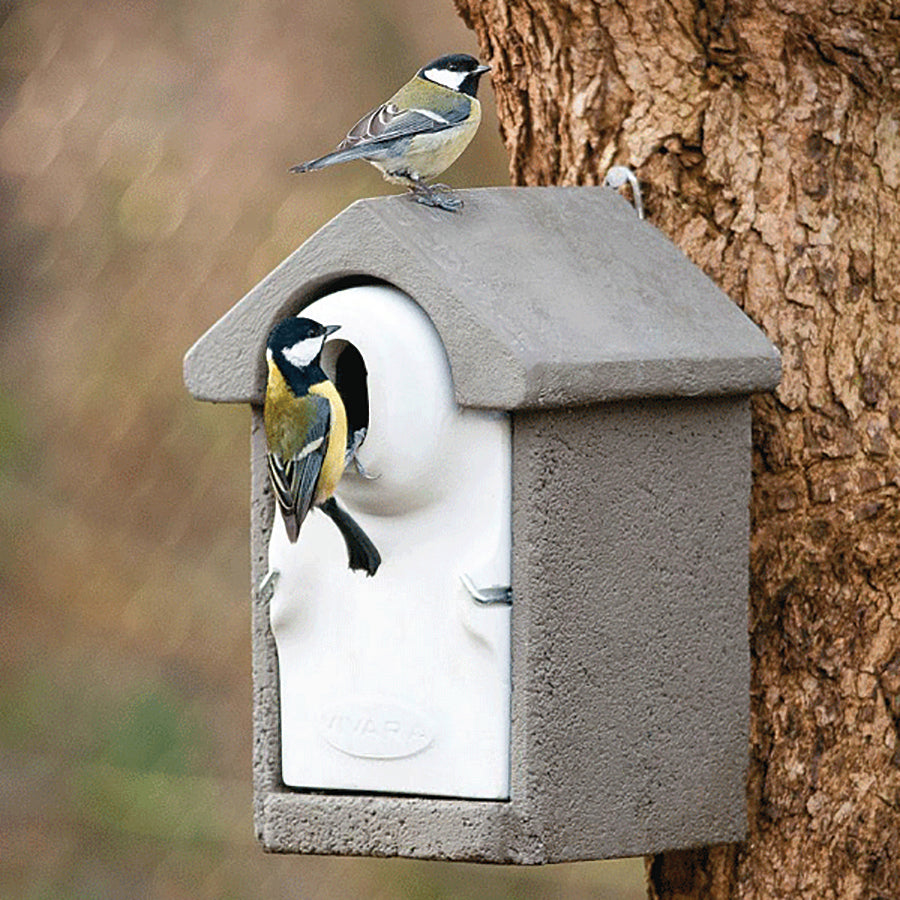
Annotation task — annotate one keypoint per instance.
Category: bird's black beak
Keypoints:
(331, 329)
(480, 70)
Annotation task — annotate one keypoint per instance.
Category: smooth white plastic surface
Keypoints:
(401, 682)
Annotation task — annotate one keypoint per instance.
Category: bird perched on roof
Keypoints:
(420, 131)
(306, 435)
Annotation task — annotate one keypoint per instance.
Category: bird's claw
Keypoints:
(438, 197)
(363, 472)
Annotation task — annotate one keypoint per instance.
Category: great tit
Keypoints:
(420, 131)
(306, 435)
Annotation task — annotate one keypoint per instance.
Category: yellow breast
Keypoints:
(287, 419)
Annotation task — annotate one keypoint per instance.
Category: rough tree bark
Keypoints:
(766, 137)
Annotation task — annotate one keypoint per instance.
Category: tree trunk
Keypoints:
(765, 136)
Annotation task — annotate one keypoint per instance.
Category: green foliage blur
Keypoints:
(144, 149)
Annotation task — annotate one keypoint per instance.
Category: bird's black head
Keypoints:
(297, 342)
(457, 71)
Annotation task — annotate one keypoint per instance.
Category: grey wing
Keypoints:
(294, 480)
(389, 122)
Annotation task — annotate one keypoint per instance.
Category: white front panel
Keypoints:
(401, 682)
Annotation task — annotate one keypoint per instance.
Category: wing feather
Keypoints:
(294, 477)
(389, 121)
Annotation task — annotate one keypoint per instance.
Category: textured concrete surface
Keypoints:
(627, 373)
(630, 659)
(542, 296)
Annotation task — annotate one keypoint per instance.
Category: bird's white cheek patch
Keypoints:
(303, 352)
(447, 78)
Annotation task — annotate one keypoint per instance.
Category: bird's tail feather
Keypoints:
(361, 552)
(329, 159)
(291, 526)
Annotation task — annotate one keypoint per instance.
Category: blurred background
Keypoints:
(144, 149)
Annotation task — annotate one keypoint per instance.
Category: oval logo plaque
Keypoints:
(375, 729)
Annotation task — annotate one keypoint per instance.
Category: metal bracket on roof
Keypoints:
(618, 176)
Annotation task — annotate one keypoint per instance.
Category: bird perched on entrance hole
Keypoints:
(420, 131)
(306, 435)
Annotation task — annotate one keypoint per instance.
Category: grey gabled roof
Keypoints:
(542, 296)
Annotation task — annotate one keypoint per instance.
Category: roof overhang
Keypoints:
(542, 297)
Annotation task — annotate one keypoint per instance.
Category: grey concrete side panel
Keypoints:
(543, 297)
(266, 718)
(630, 536)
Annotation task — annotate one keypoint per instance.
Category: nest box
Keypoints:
(552, 661)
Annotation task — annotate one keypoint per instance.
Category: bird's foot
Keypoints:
(363, 471)
(438, 196)
(351, 458)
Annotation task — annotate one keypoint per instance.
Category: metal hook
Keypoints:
(496, 594)
(618, 176)
(269, 580)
